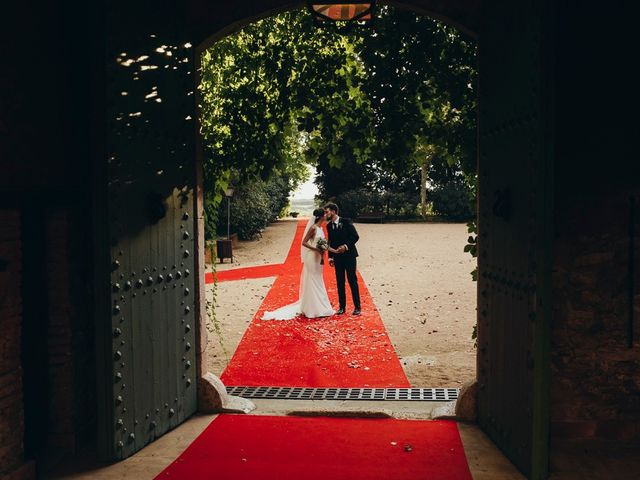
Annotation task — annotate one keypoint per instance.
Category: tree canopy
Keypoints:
(367, 108)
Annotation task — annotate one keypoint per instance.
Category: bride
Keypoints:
(313, 301)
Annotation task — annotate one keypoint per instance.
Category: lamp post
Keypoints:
(224, 247)
(229, 193)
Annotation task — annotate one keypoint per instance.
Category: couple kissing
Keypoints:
(313, 300)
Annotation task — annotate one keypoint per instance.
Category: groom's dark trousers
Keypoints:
(344, 233)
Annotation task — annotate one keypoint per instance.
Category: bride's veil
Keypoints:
(290, 311)
(310, 223)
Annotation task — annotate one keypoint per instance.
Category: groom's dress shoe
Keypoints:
(340, 312)
(356, 312)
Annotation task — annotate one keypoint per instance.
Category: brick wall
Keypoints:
(80, 295)
(70, 333)
(595, 389)
(44, 162)
(59, 334)
(595, 375)
(12, 465)
(70, 366)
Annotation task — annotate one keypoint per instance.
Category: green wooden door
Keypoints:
(146, 285)
(514, 230)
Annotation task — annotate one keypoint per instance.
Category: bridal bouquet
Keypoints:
(322, 245)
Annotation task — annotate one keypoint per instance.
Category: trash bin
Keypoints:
(224, 249)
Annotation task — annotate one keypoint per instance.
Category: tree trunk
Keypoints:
(423, 190)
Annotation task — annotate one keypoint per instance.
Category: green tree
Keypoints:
(369, 108)
(275, 85)
(422, 85)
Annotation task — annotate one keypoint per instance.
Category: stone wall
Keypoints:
(59, 334)
(45, 140)
(71, 363)
(69, 367)
(12, 465)
(595, 375)
(70, 333)
(595, 384)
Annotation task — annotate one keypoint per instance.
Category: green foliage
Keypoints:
(254, 205)
(474, 335)
(392, 204)
(400, 204)
(354, 202)
(422, 89)
(332, 182)
(211, 215)
(213, 324)
(451, 200)
(281, 92)
(250, 211)
(450, 190)
(367, 108)
(472, 245)
(472, 248)
(277, 191)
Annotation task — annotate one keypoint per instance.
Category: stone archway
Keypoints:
(507, 287)
(513, 206)
(199, 21)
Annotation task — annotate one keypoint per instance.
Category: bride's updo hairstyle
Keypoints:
(318, 213)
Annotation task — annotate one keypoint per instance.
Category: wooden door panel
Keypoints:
(146, 305)
(514, 224)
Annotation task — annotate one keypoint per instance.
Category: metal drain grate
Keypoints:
(304, 393)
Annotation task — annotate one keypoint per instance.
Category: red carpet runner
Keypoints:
(340, 351)
(281, 448)
(262, 271)
(259, 271)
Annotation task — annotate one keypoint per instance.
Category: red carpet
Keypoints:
(262, 271)
(340, 351)
(279, 448)
(259, 271)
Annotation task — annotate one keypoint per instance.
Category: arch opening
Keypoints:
(446, 164)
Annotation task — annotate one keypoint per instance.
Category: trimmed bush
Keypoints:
(254, 205)
(362, 201)
(452, 200)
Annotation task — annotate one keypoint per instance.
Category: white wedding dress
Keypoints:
(313, 301)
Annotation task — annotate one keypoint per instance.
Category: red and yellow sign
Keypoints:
(343, 12)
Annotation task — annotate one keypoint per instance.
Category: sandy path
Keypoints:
(419, 278)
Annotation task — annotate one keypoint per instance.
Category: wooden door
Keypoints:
(144, 230)
(514, 231)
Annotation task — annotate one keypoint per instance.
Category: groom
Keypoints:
(343, 238)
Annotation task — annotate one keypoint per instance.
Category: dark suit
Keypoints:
(345, 234)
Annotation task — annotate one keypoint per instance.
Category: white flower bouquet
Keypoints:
(322, 245)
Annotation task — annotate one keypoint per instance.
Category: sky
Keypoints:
(307, 190)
